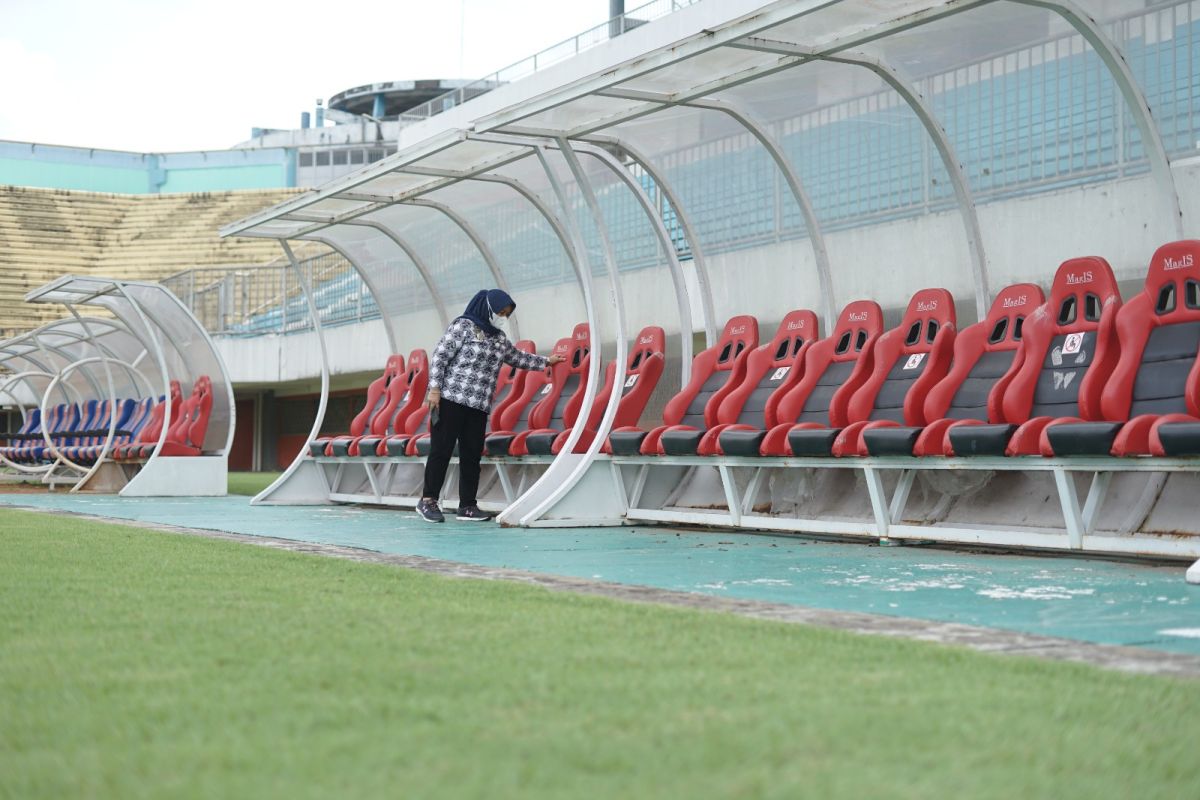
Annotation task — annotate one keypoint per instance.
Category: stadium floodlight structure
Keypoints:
(807, 153)
(151, 340)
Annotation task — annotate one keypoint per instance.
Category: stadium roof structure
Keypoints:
(549, 148)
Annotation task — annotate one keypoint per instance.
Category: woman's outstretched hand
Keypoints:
(555, 359)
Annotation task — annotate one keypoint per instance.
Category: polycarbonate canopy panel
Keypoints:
(1030, 106)
(469, 154)
(393, 278)
(865, 160)
(164, 326)
(59, 347)
(846, 21)
(532, 258)
(456, 264)
(747, 222)
(699, 70)
(584, 113)
(645, 277)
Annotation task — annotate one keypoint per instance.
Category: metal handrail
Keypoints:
(252, 300)
(596, 35)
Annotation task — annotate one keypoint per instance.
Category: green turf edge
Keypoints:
(250, 483)
(135, 663)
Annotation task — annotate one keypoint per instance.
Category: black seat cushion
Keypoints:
(497, 444)
(891, 441)
(540, 444)
(341, 448)
(367, 445)
(1180, 438)
(681, 443)
(980, 440)
(626, 443)
(741, 443)
(396, 447)
(317, 447)
(1083, 438)
(813, 441)
(424, 446)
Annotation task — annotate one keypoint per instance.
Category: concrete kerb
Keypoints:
(986, 640)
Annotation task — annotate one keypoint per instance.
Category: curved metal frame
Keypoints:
(488, 256)
(664, 241)
(387, 323)
(584, 273)
(323, 403)
(23, 376)
(578, 469)
(815, 237)
(413, 256)
(958, 178)
(1135, 98)
(88, 472)
(685, 222)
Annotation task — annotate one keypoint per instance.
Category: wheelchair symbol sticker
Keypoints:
(914, 361)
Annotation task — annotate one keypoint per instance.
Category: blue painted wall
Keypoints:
(84, 169)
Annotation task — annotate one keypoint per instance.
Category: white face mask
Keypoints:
(500, 322)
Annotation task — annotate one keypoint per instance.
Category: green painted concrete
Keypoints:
(1088, 600)
(88, 178)
(216, 179)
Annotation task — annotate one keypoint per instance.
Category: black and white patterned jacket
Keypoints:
(466, 362)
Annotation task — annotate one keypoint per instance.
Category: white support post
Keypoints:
(1095, 500)
(731, 495)
(752, 490)
(879, 503)
(900, 496)
(1069, 499)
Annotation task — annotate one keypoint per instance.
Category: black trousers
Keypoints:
(464, 426)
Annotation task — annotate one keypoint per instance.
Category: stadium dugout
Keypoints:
(134, 398)
(925, 166)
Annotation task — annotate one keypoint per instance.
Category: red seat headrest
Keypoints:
(740, 333)
(650, 340)
(859, 323)
(394, 366)
(795, 329)
(1007, 315)
(1081, 288)
(1173, 282)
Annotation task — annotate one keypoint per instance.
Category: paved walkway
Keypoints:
(1038, 605)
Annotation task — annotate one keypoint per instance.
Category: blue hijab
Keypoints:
(483, 305)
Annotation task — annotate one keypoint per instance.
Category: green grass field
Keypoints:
(250, 483)
(145, 664)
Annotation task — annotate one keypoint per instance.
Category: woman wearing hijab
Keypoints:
(462, 380)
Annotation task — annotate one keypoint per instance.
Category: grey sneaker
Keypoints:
(473, 514)
(429, 511)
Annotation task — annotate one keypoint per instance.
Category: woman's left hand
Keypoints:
(555, 359)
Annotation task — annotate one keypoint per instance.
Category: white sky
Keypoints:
(168, 75)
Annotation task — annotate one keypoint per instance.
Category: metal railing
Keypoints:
(267, 299)
(565, 49)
